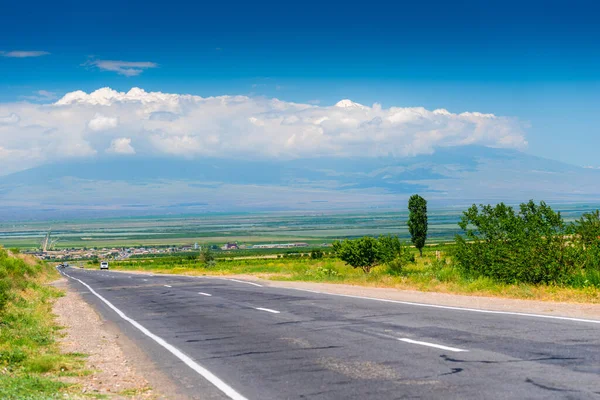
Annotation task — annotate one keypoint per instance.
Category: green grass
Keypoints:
(30, 358)
(30, 387)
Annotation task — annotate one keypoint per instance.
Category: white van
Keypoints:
(104, 265)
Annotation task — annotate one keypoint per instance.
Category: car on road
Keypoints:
(104, 265)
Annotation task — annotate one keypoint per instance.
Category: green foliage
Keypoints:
(207, 257)
(528, 246)
(316, 254)
(367, 252)
(417, 221)
(587, 228)
(28, 352)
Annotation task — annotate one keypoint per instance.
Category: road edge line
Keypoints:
(477, 310)
(206, 374)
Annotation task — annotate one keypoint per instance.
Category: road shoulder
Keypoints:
(118, 368)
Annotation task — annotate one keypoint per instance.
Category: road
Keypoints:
(219, 338)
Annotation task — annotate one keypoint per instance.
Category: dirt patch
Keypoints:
(359, 369)
(113, 371)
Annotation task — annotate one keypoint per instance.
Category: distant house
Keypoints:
(230, 246)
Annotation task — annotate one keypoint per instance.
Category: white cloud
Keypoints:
(23, 54)
(82, 124)
(10, 119)
(126, 68)
(121, 146)
(101, 123)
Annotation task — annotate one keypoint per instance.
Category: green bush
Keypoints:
(316, 254)
(529, 245)
(367, 252)
(586, 239)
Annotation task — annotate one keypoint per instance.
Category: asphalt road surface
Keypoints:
(220, 338)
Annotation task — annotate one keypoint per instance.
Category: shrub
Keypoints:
(586, 238)
(528, 246)
(207, 257)
(316, 254)
(367, 252)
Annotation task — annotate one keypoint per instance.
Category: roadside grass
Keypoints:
(426, 274)
(31, 363)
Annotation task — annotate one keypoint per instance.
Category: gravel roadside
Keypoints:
(119, 370)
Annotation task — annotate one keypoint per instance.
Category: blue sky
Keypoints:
(537, 61)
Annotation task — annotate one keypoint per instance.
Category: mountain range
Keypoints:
(121, 185)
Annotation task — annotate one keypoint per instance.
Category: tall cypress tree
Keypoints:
(417, 221)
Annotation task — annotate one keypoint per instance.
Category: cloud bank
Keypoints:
(161, 124)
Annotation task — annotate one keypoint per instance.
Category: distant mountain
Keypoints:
(133, 185)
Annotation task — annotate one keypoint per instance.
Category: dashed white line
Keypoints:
(437, 346)
(267, 310)
(168, 286)
(209, 376)
(205, 294)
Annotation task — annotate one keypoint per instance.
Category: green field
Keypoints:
(313, 228)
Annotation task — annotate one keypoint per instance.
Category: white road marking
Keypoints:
(477, 310)
(409, 303)
(205, 294)
(267, 310)
(206, 374)
(437, 346)
(249, 283)
(168, 286)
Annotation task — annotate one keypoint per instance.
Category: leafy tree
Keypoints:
(587, 228)
(367, 252)
(417, 221)
(316, 254)
(359, 253)
(586, 239)
(389, 248)
(207, 256)
(527, 246)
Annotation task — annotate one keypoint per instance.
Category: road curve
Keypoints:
(232, 339)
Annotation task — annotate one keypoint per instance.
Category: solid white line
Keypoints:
(437, 346)
(206, 374)
(477, 310)
(249, 283)
(267, 310)
(168, 286)
(205, 294)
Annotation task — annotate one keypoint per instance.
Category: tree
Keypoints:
(367, 252)
(417, 221)
(359, 253)
(207, 256)
(316, 254)
(587, 228)
(527, 245)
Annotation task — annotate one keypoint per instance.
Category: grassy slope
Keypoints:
(425, 274)
(31, 363)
